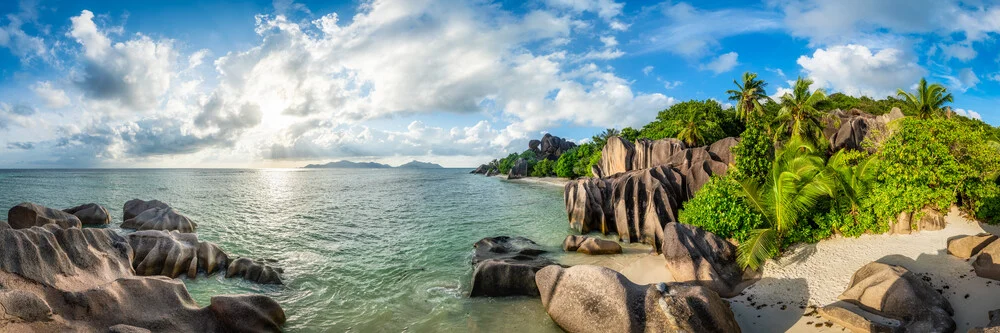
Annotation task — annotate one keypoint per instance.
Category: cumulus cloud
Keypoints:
(965, 80)
(693, 32)
(960, 51)
(856, 70)
(723, 63)
(21, 44)
(135, 73)
(53, 98)
(968, 113)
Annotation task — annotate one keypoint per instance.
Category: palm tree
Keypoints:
(928, 100)
(602, 138)
(748, 96)
(798, 179)
(798, 115)
(851, 179)
(690, 132)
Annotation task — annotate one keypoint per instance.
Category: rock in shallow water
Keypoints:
(90, 214)
(160, 219)
(85, 277)
(597, 299)
(506, 266)
(135, 207)
(698, 256)
(170, 253)
(254, 270)
(27, 215)
(590, 245)
(888, 298)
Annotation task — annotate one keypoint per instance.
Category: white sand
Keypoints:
(555, 181)
(815, 274)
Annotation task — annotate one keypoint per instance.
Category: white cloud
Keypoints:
(53, 98)
(609, 41)
(960, 51)
(965, 80)
(856, 70)
(646, 70)
(671, 84)
(968, 113)
(693, 33)
(606, 9)
(21, 44)
(723, 63)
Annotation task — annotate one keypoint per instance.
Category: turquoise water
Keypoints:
(363, 250)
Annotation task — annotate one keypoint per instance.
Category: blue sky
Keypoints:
(283, 84)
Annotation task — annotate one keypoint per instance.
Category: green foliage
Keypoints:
(753, 155)
(928, 100)
(543, 168)
(566, 162)
(630, 134)
(601, 139)
(799, 117)
(714, 122)
(866, 104)
(507, 163)
(720, 208)
(747, 96)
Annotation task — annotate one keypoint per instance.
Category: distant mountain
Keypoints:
(420, 165)
(349, 165)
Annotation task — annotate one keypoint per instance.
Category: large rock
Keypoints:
(506, 266)
(596, 299)
(930, 220)
(616, 157)
(992, 327)
(644, 201)
(893, 114)
(170, 253)
(698, 256)
(519, 170)
(851, 134)
(987, 264)
(888, 298)
(135, 207)
(27, 215)
(590, 245)
(966, 247)
(588, 205)
(650, 153)
(81, 280)
(902, 225)
(160, 219)
(724, 149)
(254, 270)
(552, 147)
(90, 214)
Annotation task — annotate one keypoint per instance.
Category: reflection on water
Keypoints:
(363, 250)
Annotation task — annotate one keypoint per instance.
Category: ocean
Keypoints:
(363, 250)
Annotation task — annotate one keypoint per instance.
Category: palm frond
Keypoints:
(756, 249)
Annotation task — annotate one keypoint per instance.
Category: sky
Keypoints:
(133, 84)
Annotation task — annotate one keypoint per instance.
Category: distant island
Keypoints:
(372, 165)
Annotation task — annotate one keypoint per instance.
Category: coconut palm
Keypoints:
(798, 179)
(602, 138)
(691, 132)
(798, 115)
(851, 178)
(748, 96)
(928, 99)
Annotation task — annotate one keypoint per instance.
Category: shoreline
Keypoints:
(552, 181)
(813, 275)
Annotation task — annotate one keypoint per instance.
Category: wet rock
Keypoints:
(966, 247)
(698, 256)
(254, 270)
(590, 245)
(27, 215)
(90, 214)
(170, 253)
(135, 207)
(506, 266)
(888, 298)
(596, 299)
(165, 219)
(248, 313)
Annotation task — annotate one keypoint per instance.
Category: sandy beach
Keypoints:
(813, 275)
(554, 181)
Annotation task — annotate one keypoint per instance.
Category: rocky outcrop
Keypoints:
(590, 245)
(254, 270)
(644, 201)
(550, 147)
(902, 224)
(588, 205)
(616, 157)
(698, 256)
(966, 247)
(650, 153)
(506, 266)
(992, 327)
(135, 207)
(519, 170)
(927, 219)
(27, 215)
(487, 169)
(849, 129)
(90, 214)
(82, 280)
(723, 149)
(930, 220)
(160, 219)
(595, 299)
(170, 253)
(987, 263)
(888, 298)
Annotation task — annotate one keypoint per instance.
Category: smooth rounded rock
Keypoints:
(27, 215)
(90, 214)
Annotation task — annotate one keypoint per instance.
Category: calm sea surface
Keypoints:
(363, 250)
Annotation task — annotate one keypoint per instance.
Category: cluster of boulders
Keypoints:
(848, 129)
(984, 248)
(550, 147)
(640, 187)
(595, 299)
(889, 298)
(57, 276)
(926, 219)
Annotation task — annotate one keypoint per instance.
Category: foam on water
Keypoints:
(384, 250)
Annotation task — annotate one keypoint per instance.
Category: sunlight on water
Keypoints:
(363, 250)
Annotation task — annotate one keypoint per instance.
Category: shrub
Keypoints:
(719, 207)
(716, 122)
(543, 168)
(753, 155)
(566, 162)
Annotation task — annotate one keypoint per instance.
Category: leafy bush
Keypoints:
(543, 168)
(719, 207)
(716, 122)
(566, 162)
(753, 155)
